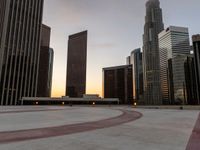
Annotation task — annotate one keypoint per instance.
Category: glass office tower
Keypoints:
(136, 61)
(174, 49)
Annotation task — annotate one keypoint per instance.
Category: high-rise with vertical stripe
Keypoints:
(20, 27)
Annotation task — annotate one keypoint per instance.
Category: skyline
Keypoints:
(113, 32)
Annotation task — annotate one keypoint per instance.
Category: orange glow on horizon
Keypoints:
(58, 92)
(93, 84)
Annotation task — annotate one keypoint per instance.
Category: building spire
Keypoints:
(153, 26)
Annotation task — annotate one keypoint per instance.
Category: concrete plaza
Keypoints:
(98, 128)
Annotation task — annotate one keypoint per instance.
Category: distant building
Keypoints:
(46, 64)
(117, 83)
(128, 60)
(153, 26)
(196, 45)
(50, 74)
(136, 61)
(76, 65)
(20, 28)
(190, 81)
(174, 48)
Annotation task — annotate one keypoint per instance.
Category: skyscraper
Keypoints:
(196, 46)
(117, 83)
(173, 41)
(46, 64)
(136, 61)
(20, 27)
(153, 26)
(76, 65)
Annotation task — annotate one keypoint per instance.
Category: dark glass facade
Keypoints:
(190, 77)
(20, 28)
(177, 79)
(76, 65)
(183, 79)
(196, 46)
(136, 61)
(118, 83)
(153, 26)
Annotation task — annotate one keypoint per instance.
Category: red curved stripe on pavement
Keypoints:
(194, 142)
(23, 135)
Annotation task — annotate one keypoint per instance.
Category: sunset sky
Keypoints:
(115, 28)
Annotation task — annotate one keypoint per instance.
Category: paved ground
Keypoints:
(98, 128)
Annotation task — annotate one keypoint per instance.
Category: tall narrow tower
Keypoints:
(46, 64)
(196, 45)
(20, 27)
(153, 26)
(76, 65)
(136, 61)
